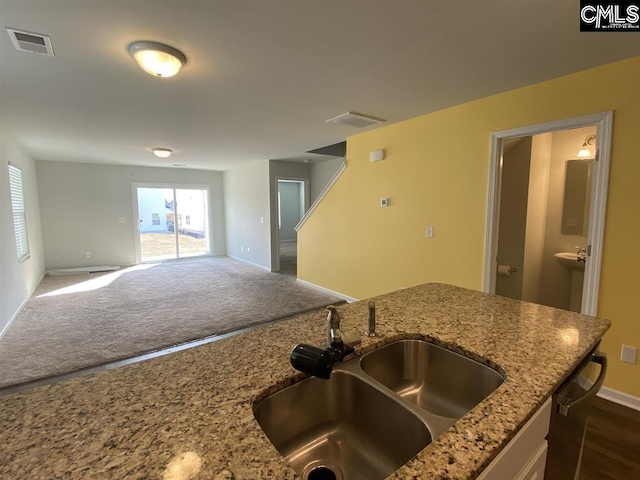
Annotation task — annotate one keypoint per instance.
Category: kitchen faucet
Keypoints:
(320, 361)
(334, 337)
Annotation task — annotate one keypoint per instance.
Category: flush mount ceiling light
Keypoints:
(162, 152)
(584, 151)
(158, 59)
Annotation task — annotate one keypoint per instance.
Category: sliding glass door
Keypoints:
(191, 222)
(172, 222)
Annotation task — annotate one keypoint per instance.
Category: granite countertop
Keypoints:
(189, 415)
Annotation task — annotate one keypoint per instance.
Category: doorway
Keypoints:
(291, 204)
(171, 222)
(546, 211)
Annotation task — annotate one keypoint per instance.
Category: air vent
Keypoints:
(355, 120)
(31, 42)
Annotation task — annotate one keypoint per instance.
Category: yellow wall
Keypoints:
(436, 174)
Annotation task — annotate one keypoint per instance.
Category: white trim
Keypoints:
(324, 192)
(22, 305)
(620, 398)
(62, 272)
(247, 261)
(603, 121)
(326, 290)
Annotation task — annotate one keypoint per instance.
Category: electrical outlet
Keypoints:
(430, 231)
(248, 249)
(87, 254)
(629, 354)
(241, 248)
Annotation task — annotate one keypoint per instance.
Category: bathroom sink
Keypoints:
(437, 380)
(341, 428)
(570, 260)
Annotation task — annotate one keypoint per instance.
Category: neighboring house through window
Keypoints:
(19, 213)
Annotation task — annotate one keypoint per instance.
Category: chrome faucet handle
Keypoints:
(371, 320)
(334, 338)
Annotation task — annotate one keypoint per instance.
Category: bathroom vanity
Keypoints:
(190, 414)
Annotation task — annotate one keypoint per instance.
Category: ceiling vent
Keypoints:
(31, 42)
(355, 120)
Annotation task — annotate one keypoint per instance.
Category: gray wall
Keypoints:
(281, 169)
(18, 281)
(321, 174)
(555, 284)
(248, 213)
(81, 204)
(291, 209)
(536, 216)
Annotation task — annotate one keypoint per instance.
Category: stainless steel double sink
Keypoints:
(376, 412)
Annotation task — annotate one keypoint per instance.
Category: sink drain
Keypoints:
(321, 471)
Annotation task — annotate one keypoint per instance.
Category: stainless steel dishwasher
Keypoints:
(569, 419)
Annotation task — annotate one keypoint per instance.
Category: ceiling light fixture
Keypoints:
(158, 59)
(162, 152)
(585, 151)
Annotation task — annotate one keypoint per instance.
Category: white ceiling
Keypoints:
(263, 76)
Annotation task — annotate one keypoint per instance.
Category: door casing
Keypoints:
(604, 128)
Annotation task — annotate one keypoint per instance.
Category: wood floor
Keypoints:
(612, 443)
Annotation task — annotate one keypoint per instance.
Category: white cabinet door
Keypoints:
(535, 469)
(526, 447)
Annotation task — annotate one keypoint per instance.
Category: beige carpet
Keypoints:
(76, 322)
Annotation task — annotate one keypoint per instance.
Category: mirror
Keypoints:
(577, 197)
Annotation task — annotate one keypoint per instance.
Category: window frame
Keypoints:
(19, 212)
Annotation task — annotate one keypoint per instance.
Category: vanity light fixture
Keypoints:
(584, 151)
(162, 152)
(158, 59)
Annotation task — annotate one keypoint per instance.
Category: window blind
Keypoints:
(19, 213)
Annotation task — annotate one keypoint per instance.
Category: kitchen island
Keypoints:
(189, 415)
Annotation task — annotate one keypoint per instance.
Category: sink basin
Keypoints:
(569, 260)
(341, 428)
(375, 412)
(435, 379)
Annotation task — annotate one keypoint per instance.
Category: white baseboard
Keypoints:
(326, 290)
(620, 398)
(63, 272)
(17, 312)
(250, 263)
